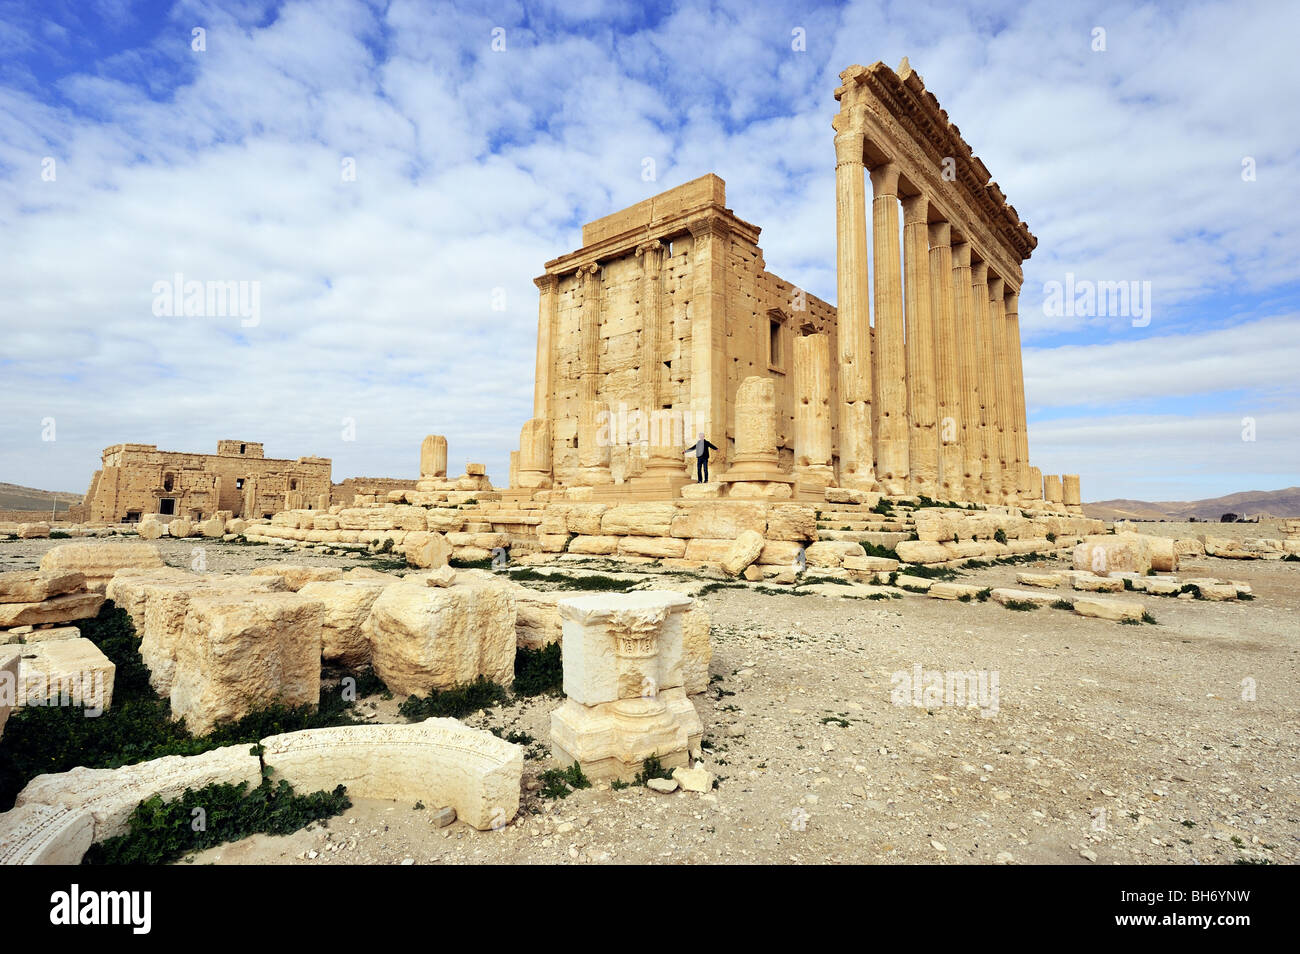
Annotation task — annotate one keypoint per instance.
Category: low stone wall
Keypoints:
(441, 762)
(438, 761)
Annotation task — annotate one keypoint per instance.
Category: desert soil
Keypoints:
(1107, 743)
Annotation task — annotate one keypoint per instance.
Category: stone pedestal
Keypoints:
(624, 680)
(756, 467)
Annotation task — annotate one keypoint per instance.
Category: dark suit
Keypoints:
(701, 450)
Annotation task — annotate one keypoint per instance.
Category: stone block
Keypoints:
(742, 552)
(347, 607)
(243, 651)
(99, 561)
(424, 638)
(295, 577)
(1102, 608)
(58, 609)
(29, 586)
(720, 519)
(66, 672)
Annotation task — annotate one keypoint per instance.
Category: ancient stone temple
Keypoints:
(137, 480)
(666, 325)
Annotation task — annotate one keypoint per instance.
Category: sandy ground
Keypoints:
(1105, 743)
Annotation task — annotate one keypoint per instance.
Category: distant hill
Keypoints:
(13, 497)
(1248, 503)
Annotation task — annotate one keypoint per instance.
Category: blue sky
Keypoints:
(474, 166)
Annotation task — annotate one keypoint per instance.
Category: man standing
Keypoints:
(701, 451)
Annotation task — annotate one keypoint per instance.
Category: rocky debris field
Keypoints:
(1093, 741)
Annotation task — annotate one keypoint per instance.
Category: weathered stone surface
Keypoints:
(832, 553)
(158, 609)
(66, 672)
(45, 835)
(27, 586)
(59, 609)
(657, 547)
(443, 576)
(33, 531)
(694, 779)
(180, 527)
(595, 626)
(99, 561)
(438, 762)
(1189, 546)
(1005, 595)
(10, 665)
(870, 564)
(793, 522)
(537, 618)
(150, 529)
(697, 649)
(1098, 584)
(424, 638)
(1161, 586)
(953, 591)
(1111, 553)
(1164, 554)
(243, 651)
(721, 519)
(55, 632)
(921, 551)
(1047, 580)
(743, 552)
(1102, 608)
(594, 545)
(913, 583)
(426, 548)
(1218, 591)
(347, 606)
(111, 795)
(642, 519)
(296, 577)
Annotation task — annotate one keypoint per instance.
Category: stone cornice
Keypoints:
(891, 108)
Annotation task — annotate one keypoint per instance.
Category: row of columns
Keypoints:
(935, 404)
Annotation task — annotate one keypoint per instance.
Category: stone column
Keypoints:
(433, 462)
(1070, 493)
(709, 335)
(1025, 488)
(651, 255)
(891, 359)
(593, 452)
(1003, 408)
(812, 411)
(534, 465)
(546, 310)
(857, 448)
(947, 364)
(756, 467)
(922, 388)
(968, 357)
(1036, 492)
(1053, 491)
(990, 479)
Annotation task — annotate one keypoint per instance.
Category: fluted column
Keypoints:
(1053, 491)
(812, 411)
(1070, 497)
(990, 478)
(1025, 489)
(947, 364)
(853, 323)
(968, 354)
(709, 385)
(922, 389)
(1003, 408)
(593, 452)
(548, 299)
(891, 359)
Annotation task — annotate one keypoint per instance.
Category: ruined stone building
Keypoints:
(913, 386)
(139, 479)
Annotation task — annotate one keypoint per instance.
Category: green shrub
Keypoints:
(1022, 606)
(539, 671)
(1062, 605)
(652, 768)
(559, 783)
(161, 832)
(1000, 536)
(456, 703)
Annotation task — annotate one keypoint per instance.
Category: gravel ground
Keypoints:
(1107, 743)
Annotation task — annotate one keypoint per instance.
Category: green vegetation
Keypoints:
(539, 671)
(1062, 605)
(595, 582)
(1000, 536)
(138, 727)
(932, 572)
(60, 535)
(457, 702)
(652, 768)
(876, 550)
(984, 594)
(161, 832)
(560, 783)
(1022, 606)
